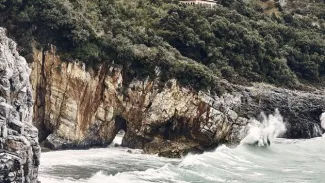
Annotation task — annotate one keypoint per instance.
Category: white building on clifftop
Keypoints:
(206, 3)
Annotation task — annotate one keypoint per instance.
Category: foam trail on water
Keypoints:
(300, 160)
(118, 139)
(322, 120)
(262, 132)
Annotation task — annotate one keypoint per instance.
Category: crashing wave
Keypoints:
(117, 142)
(262, 133)
(322, 120)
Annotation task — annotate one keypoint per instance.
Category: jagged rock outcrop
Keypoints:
(19, 147)
(76, 108)
(301, 110)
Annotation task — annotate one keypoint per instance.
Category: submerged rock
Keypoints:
(19, 147)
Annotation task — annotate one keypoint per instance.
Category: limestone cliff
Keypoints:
(19, 148)
(78, 108)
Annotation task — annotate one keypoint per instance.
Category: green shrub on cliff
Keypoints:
(195, 45)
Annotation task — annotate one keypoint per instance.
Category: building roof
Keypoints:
(200, 1)
(212, 1)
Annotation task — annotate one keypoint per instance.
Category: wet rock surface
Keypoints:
(301, 110)
(79, 108)
(19, 147)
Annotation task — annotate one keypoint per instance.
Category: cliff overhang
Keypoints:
(79, 108)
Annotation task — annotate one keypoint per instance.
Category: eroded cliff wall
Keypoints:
(19, 148)
(79, 108)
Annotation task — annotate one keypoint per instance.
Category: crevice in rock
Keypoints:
(133, 138)
(88, 107)
(120, 124)
(40, 102)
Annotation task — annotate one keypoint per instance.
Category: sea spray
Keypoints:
(322, 120)
(262, 132)
(286, 161)
(117, 141)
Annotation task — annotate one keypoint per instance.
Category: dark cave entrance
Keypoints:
(120, 124)
(119, 131)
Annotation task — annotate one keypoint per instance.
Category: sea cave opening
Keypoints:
(120, 130)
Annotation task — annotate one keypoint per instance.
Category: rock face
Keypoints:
(19, 148)
(301, 110)
(75, 108)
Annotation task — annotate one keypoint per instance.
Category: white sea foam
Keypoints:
(262, 132)
(322, 120)
(118, 139)
(100, 177)
(58, 180)
(193, 160)
(240, 164)
(277, 164)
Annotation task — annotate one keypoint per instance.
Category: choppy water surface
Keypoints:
(301, 161)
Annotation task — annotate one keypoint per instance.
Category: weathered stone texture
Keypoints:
(79, 108)
(19, 148)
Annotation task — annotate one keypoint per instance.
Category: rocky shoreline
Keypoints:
(78, 108)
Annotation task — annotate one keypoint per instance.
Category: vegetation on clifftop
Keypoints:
(235, 40)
